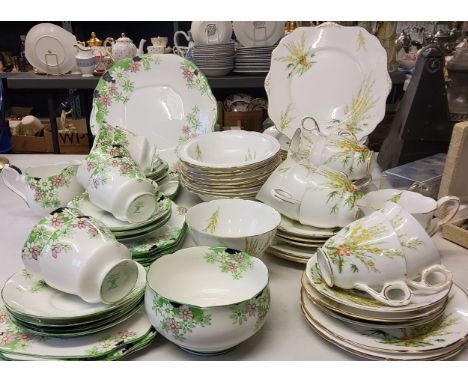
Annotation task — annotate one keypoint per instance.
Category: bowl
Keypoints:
(244, 225)
(207, 300)
(228, 149)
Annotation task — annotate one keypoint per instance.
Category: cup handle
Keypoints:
(175, 38)
(425, 285)
(316, 128)
(18, 176)
(384, 295)
(449, 205)
(284, 196)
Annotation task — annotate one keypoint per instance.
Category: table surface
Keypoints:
(285, 335)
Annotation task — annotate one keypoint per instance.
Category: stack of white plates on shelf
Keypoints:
(431, 327)
(228, 164)
(39, 322)
(253, 60)
(214, 59)
(298, 242)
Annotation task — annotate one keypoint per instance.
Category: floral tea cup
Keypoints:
(45, 188)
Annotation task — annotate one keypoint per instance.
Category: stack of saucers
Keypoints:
(228, 164)
(298, 242)
(253, 60)
(159, 171)
(214, 59)
(431, 327)
(31, 306)
(124, 231)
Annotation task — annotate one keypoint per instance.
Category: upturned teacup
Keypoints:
(45, 188)
(367, 255)
(78, 255)
(119, 187)
(421, 207)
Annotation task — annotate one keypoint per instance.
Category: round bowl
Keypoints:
(207, 300)
(244, 225)
(228, 149)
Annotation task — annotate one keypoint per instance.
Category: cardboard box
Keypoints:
(70, 142)
(247, 120)
(454, 232)
(17, 112)
(27, 144)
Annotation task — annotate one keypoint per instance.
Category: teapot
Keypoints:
(123, 47)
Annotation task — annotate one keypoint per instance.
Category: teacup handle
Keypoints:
(175, 39)
(284, 196)
(18, 177)
(425, 285)
(315, 128)
(384, 295)
(450, 205)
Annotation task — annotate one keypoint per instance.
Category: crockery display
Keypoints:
(211, 32)
(244, 225)
(47, 187)
(221, 302)
(421, 207)
(348, 64)
(214, 59)
(258, 33)
(141, 83)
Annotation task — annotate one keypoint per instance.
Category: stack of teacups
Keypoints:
(113, 175)
(228, 164)
(381, 276)
(214, 59)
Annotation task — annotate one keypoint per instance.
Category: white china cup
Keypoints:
(83, 258)
(118, 187)
(367, 255)
(327, 198)
(156, 49)
(421, 207)
(159, 41)
(240, 224)
(207, 300)
(45, 188)
(140, 149)
(422, 256)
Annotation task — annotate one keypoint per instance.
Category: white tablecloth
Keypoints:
(286, 334)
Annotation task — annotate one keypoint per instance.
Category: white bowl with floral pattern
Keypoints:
(207, 300)
(245, 225)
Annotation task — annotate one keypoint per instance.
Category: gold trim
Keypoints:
(286, 257)
(364, 346)
(316, 242)
(299, 244)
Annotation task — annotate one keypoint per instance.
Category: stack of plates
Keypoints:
(297, 242)
(160, 170)
(34, 307)
(164, 240)
(214, 59)
(228, 164)
(254, 60)
(125, 231)
(431, 327)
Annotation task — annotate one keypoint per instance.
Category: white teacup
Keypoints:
(82, 257)
(140, 149)
(422, 256)
(159, 41)
(156, 49)
(367, 255)
(421, 207)
(118, 187)
(45, 188)
(328, 199)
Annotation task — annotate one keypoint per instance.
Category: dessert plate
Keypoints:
(162, 97)
(337, 75)
(258, 33)
(211, 32)
(30, 296)
(50, 48)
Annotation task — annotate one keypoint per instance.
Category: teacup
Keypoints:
(421, 207)
(140, 149)
(118, 187)
(328, 198)
(82, 257)
(47, 187)
(159, 41)
(367, 255)
(156, 49)
(422, 256)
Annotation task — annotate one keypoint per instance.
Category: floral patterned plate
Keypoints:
(337, 75)
(361, 300)
(30, 296)
(319, 322)
(165, 98)
(13, 340)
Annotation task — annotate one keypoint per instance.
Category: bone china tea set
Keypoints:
(104, 271)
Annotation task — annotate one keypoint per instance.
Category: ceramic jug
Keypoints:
(85, 60)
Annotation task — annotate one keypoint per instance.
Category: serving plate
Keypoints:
(165, 98)
(337, 75)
